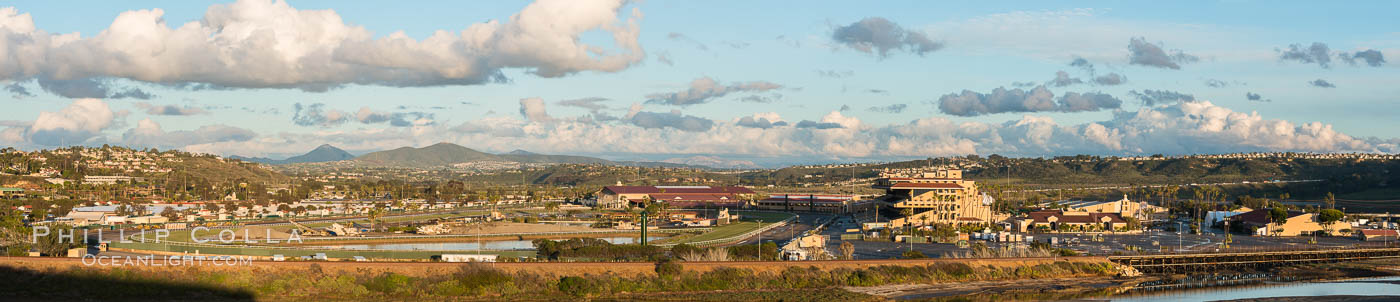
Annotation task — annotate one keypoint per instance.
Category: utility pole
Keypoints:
(644, 227)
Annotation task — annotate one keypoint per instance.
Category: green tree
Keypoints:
(52, 245)
(552, 207)
(848, 250)
(374, 214)
(908, 218)
(1278, 215)
(170, 213)
(1132, 223)
(1329, 216)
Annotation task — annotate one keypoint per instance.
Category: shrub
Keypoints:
(389, 283)
(668, 267)
(684, 249)
(476, 276)
(863, 278)
(576, 286)
(913, 255)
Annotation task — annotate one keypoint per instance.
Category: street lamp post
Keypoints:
(1178, 236)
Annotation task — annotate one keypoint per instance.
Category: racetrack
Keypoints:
(544, 268)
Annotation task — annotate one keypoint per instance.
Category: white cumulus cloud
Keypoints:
(270, 44)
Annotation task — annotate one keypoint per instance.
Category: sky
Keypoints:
(772, 82)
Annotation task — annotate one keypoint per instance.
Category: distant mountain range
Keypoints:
(323, 153)
(444, 154)
(711, 161)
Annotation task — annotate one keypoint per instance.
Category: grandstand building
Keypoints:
(937, 197)
(821, 203)
(622, 197)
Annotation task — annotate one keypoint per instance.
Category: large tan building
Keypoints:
(938, 197)
(1142, 211)
(1298, 223)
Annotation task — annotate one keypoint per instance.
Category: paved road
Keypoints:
(780, 235)
(1151, 241)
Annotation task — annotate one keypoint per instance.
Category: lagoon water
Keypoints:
(465, 246)
(1384, 286)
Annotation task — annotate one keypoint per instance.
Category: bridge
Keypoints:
(1190, 263)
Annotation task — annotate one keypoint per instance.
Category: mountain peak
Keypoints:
(322, 153)
(433, 155)
(521, 152)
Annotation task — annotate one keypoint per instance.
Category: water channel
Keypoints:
(1382, 286)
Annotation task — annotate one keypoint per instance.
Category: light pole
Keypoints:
(1178, 236)
(760, 246)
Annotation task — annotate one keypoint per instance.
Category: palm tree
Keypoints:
(907, 212)
(923, 219)
(374, 214)
(552, 207)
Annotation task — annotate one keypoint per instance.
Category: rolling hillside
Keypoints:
(443, 154)
(436, 155)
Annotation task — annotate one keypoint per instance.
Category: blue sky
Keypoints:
(787, 54)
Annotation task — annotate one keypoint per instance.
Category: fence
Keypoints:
(267, 251)
(501, 234)
(139, 243)
(287, 251)
(733, 239)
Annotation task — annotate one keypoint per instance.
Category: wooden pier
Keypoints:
(1196, 263)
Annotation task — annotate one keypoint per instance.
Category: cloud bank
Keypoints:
(1038, 99)
(168, 109)
(1140, 52)
(704, 89)
(270, 44)
(1178, 128)
(876, 35)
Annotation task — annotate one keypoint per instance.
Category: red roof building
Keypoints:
(1377, 235)
(1057, 220)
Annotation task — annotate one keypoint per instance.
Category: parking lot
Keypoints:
(1153, 241)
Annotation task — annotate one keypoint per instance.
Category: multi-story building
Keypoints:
(622, 197)
(1139, 210)
(807, 202)
(936, 197)
(107, 179)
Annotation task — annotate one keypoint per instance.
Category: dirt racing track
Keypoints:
(541, 268)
